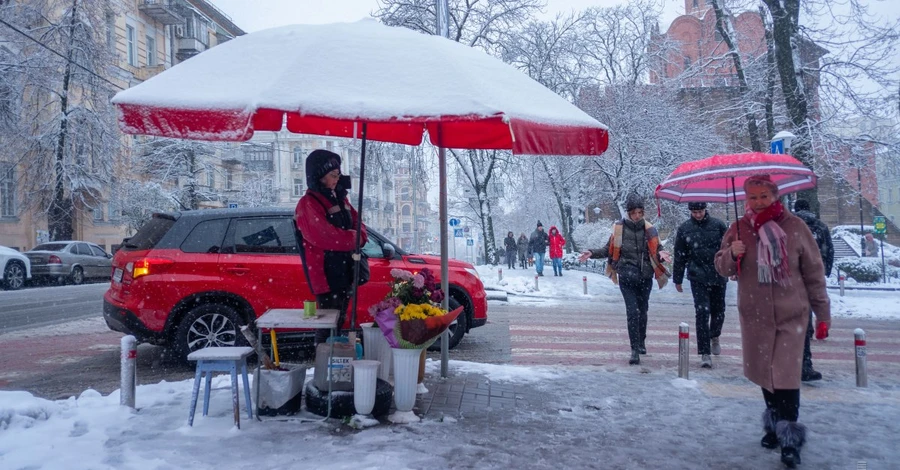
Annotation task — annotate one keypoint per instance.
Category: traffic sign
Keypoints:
(880, 225)
(777, 147)
(454, 222)
(232, 205)
(457, 233)
(466, 230)
(470, 242)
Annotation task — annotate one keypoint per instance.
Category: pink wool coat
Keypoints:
(773, 317)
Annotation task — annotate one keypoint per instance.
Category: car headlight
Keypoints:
(473, 272)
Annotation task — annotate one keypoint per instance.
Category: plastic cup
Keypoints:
(309, 309)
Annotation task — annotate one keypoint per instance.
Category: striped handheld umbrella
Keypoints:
(720, 178)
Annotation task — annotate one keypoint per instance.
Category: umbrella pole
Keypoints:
(734, 200)
(445, 271)
(359, 217)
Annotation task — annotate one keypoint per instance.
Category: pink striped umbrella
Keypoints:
(721, 178)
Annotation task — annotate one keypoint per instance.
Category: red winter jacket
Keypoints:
(320, 236)
(557, 242)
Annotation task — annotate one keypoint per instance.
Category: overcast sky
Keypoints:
(253, 15)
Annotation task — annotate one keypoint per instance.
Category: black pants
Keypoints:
(637, 299)
(807, 353)
(522, 260)
(786, 403)
(709, 307)
(338, 300)
(510, 259)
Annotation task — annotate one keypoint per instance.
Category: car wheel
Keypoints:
(457, 329)
(342, 403)
(209, 325)
(14, 275)
(77, 276)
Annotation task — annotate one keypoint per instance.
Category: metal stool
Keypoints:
(221, 359)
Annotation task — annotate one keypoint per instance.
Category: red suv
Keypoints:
(190, 279)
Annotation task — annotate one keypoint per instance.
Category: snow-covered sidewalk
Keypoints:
(568, 417)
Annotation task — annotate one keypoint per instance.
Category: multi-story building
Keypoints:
(147, 37)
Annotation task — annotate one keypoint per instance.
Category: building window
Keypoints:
(406, 227)
(717, 34)
(687, 62)
(259, 157)
(405, 210)
(404, 194)
(211, 179)
(151, 51)
(695, 4)
(129, 44)
(113, 211)
(890, 195)
(298, 186)
(98, 214)
(298, 157)
(329, 145)
(229, 179)
(7, 190)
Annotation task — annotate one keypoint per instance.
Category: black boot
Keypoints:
(809, 375)
(635, 357)
(791, 436)
(769, 418)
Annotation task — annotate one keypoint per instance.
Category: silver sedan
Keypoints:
(72, 261)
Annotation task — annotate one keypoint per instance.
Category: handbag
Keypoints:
(363, 265)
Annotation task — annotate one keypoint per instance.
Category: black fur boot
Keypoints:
(769, 418)
(791, 436)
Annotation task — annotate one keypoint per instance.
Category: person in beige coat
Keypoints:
(781, 277)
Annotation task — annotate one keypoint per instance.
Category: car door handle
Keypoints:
(238, 270)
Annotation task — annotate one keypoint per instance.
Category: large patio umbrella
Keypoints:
(362, 80)
(720, 178)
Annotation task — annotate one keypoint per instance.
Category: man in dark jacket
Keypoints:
(696, 244)
(538, 245)
(826, 248)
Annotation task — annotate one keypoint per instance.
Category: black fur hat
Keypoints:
(696, 206)
(633, 201)
(318, 164)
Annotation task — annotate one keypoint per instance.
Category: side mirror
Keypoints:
(109, 255)
(389, 251)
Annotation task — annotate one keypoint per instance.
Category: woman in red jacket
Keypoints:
(557, 242)
(327, 222)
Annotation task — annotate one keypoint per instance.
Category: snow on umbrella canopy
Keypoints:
(721, 178)
(329, 79)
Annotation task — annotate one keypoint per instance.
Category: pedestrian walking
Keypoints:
(780, 277)
(557, 242)
(822, 235)
(522, 247)
(696, 244)
(510, 244)
(327, 222)
(633, 260)
(537, 247)
(871, 247)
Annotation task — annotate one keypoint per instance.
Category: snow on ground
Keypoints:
(519, 283)
(609, 417)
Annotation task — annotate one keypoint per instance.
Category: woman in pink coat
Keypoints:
(780, 276)
(557, 242)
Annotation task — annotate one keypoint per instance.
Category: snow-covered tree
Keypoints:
(179, 166)
(55, 62)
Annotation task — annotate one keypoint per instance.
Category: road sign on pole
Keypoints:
(232, 205)
(454, 222)
(880, 225)
(457, 233)
(777, 146)
(470, 242)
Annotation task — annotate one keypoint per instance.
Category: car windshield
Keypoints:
(51, 247)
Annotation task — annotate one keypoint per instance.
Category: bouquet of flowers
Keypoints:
(410, 316)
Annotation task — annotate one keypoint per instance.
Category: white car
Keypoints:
(15, 268)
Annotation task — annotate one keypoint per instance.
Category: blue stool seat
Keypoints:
(221, 359)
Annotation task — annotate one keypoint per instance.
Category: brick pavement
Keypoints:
(593, 334)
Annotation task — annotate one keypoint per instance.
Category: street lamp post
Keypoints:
(862, 233)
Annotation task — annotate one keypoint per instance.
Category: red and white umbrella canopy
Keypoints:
(721, 178)
(328, 79)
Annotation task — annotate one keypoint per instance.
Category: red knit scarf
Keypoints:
(771, 253)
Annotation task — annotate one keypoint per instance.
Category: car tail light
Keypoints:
(53, 259)
(145, 266)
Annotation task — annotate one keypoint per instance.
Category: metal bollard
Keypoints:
(841, 283)
(500, 274)
(536, 283)
(584, 280)
(859, 337)
(128, 373)
(684, 349)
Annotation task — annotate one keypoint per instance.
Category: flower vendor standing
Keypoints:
(411, 320)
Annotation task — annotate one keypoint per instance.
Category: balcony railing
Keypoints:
(148, 71)
(161, 10)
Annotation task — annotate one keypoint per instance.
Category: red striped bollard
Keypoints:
(536, 283)
(128, 372)
(584, 280)
(859, 337)
(684, 349)
(499, 274)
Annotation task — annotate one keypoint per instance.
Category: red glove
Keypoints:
(821, 330)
